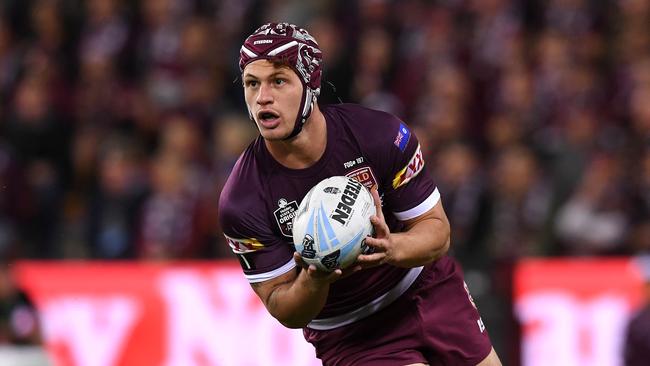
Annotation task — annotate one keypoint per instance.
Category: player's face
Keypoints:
(273, 95)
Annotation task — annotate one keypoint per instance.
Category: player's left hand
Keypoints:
(381, 244)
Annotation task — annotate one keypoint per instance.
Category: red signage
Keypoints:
(105, 314)
(575, 311)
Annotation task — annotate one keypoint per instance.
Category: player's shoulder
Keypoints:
(363, 118)
(243, 191)
(373, 129)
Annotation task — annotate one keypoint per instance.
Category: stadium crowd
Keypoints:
(119, 121)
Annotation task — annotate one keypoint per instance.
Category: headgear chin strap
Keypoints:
(288, 43)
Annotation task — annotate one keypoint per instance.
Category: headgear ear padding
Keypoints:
(287, 43)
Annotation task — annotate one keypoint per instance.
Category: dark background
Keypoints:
(119, 121)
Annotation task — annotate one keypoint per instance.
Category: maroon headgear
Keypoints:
(288, 43)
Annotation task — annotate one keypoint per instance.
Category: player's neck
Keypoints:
(306, 148)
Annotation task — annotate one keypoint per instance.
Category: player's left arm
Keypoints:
(408, 192)
(425, 239)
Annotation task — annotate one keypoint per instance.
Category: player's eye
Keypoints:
(251, 83)
(279, 81)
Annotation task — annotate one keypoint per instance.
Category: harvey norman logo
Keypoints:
(263, 41)
(412, 169)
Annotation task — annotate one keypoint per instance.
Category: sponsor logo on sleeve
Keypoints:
(243, 246)
(284, 216)
(412, 169)
(364, 176)
(403, 136)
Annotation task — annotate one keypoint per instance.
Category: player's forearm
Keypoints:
(422, 243)
(295, 304)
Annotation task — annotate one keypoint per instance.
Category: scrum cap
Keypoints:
(288, 43)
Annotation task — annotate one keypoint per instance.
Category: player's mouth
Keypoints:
(268, 119)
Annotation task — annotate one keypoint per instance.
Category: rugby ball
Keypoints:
(332, 222)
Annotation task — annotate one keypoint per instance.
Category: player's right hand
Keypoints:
(323, 276)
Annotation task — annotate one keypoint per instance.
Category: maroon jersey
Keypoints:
(261, 197)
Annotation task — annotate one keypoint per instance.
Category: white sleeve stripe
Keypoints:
(261, 277)
(418, 210)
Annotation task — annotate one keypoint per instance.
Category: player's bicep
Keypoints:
(434, 229)
(435, 215)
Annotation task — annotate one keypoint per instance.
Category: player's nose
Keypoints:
(264, 96)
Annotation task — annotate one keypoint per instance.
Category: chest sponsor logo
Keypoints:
(243, 246)
(364, 176)
(411, 170)
(284, 216)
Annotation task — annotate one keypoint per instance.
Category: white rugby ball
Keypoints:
(332, 222)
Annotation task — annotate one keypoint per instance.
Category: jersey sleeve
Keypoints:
(262, 254)
(409, 191)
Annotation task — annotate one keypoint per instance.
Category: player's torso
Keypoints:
(285, 189)
(261, 197)
(346, 154)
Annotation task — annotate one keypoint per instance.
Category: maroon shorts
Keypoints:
(433, 322)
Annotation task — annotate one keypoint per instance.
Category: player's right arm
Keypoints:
(292, 293)
(296, 297)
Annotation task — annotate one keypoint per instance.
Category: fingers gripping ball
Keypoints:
(332, 223)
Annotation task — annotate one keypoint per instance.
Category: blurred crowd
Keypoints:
(119, 120)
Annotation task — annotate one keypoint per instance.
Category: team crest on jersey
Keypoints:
(243, 246)
(412, 169)
(284, 216)
(364, 176)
